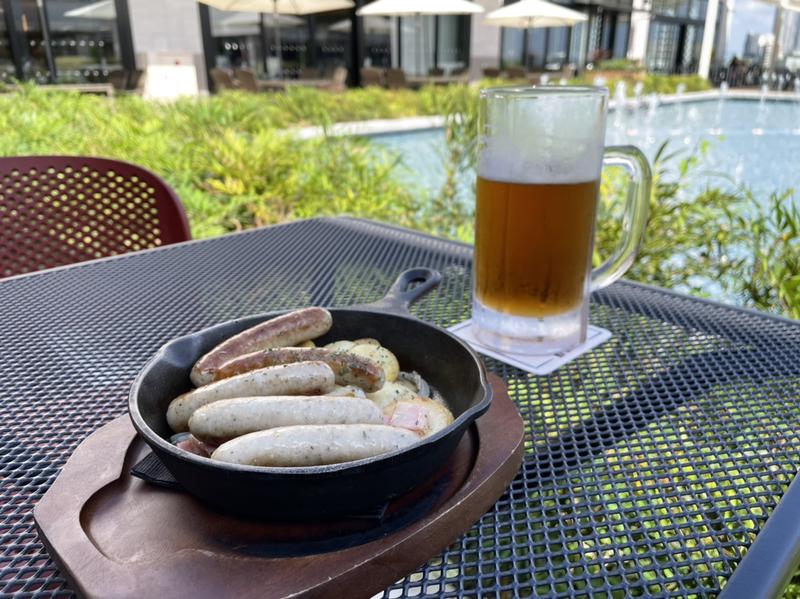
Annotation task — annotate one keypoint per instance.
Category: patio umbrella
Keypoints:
(534, 13)
(529, 14)
(407, 8)
(281, 7)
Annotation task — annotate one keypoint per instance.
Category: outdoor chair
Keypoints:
(491, 72)
(338, 81)
(517, 73)
(396, 79)
(119, 79)
(136, 80)
(370, 76)
(124, 80)
(435, 72)
(310, 73)
(222, 80)
(57, 210)
(246, 78)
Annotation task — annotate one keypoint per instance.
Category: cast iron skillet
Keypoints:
(443, 360)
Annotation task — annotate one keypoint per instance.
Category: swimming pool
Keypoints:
(752, 142)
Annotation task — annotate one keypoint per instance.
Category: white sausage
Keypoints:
(314, 445)
(302, 378)
(230, 418)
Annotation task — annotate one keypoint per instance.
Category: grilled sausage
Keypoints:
(230, 418)
(314, 445)
(303, 378)
(289, 329)
(349, 369)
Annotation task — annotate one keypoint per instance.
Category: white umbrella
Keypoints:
(103, 11)
(534, 13)
(406, 8)
(281, 7)
(529, 14)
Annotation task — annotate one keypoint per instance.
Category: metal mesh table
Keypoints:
(652, 462)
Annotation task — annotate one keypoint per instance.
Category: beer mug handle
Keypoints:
(635, 218)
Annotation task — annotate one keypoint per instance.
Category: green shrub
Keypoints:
(234, 168)
(619, 64)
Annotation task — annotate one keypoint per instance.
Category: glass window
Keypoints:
(7, 70)
(690, 55)
(578, 41)
(512, 51)
(668, 8)
(332, 46)
(377, 40)
(416, 49)
(238, 39)
(698, 9)
(557, 40)
(451, 53)
(594, 49)
(623, 27)
(311, 46)
(295, 51)
(84, 39)
(662, 47)
(34, 63)
(537, 48)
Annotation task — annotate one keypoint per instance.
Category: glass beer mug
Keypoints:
(541, 151)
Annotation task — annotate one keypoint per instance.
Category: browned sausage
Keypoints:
(349, 369)
(289, 329)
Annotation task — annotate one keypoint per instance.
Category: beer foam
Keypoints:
(556, 139)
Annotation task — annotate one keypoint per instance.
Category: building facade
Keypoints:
(178, 41)
(63, 40)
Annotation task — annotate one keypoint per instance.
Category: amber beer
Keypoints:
(540, 158)
(533, 246)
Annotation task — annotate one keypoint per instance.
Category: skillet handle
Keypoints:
(400, 297)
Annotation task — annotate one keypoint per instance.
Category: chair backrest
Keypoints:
(371, 76)
(310, 73)
(338, 79)
(119, 79)
(246, 79)
(435, 72)
(136, 79)
(491, 72)
(396, 79)
(222, 79)
(57, 210)
(517, 73)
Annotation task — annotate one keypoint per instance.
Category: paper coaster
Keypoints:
(535, 364)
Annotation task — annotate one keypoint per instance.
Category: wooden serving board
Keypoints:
(114, 535)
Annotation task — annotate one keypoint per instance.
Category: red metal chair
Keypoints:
(57, 210)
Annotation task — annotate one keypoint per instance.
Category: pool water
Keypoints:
(751, 142)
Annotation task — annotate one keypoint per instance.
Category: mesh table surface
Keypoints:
(651, 463)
